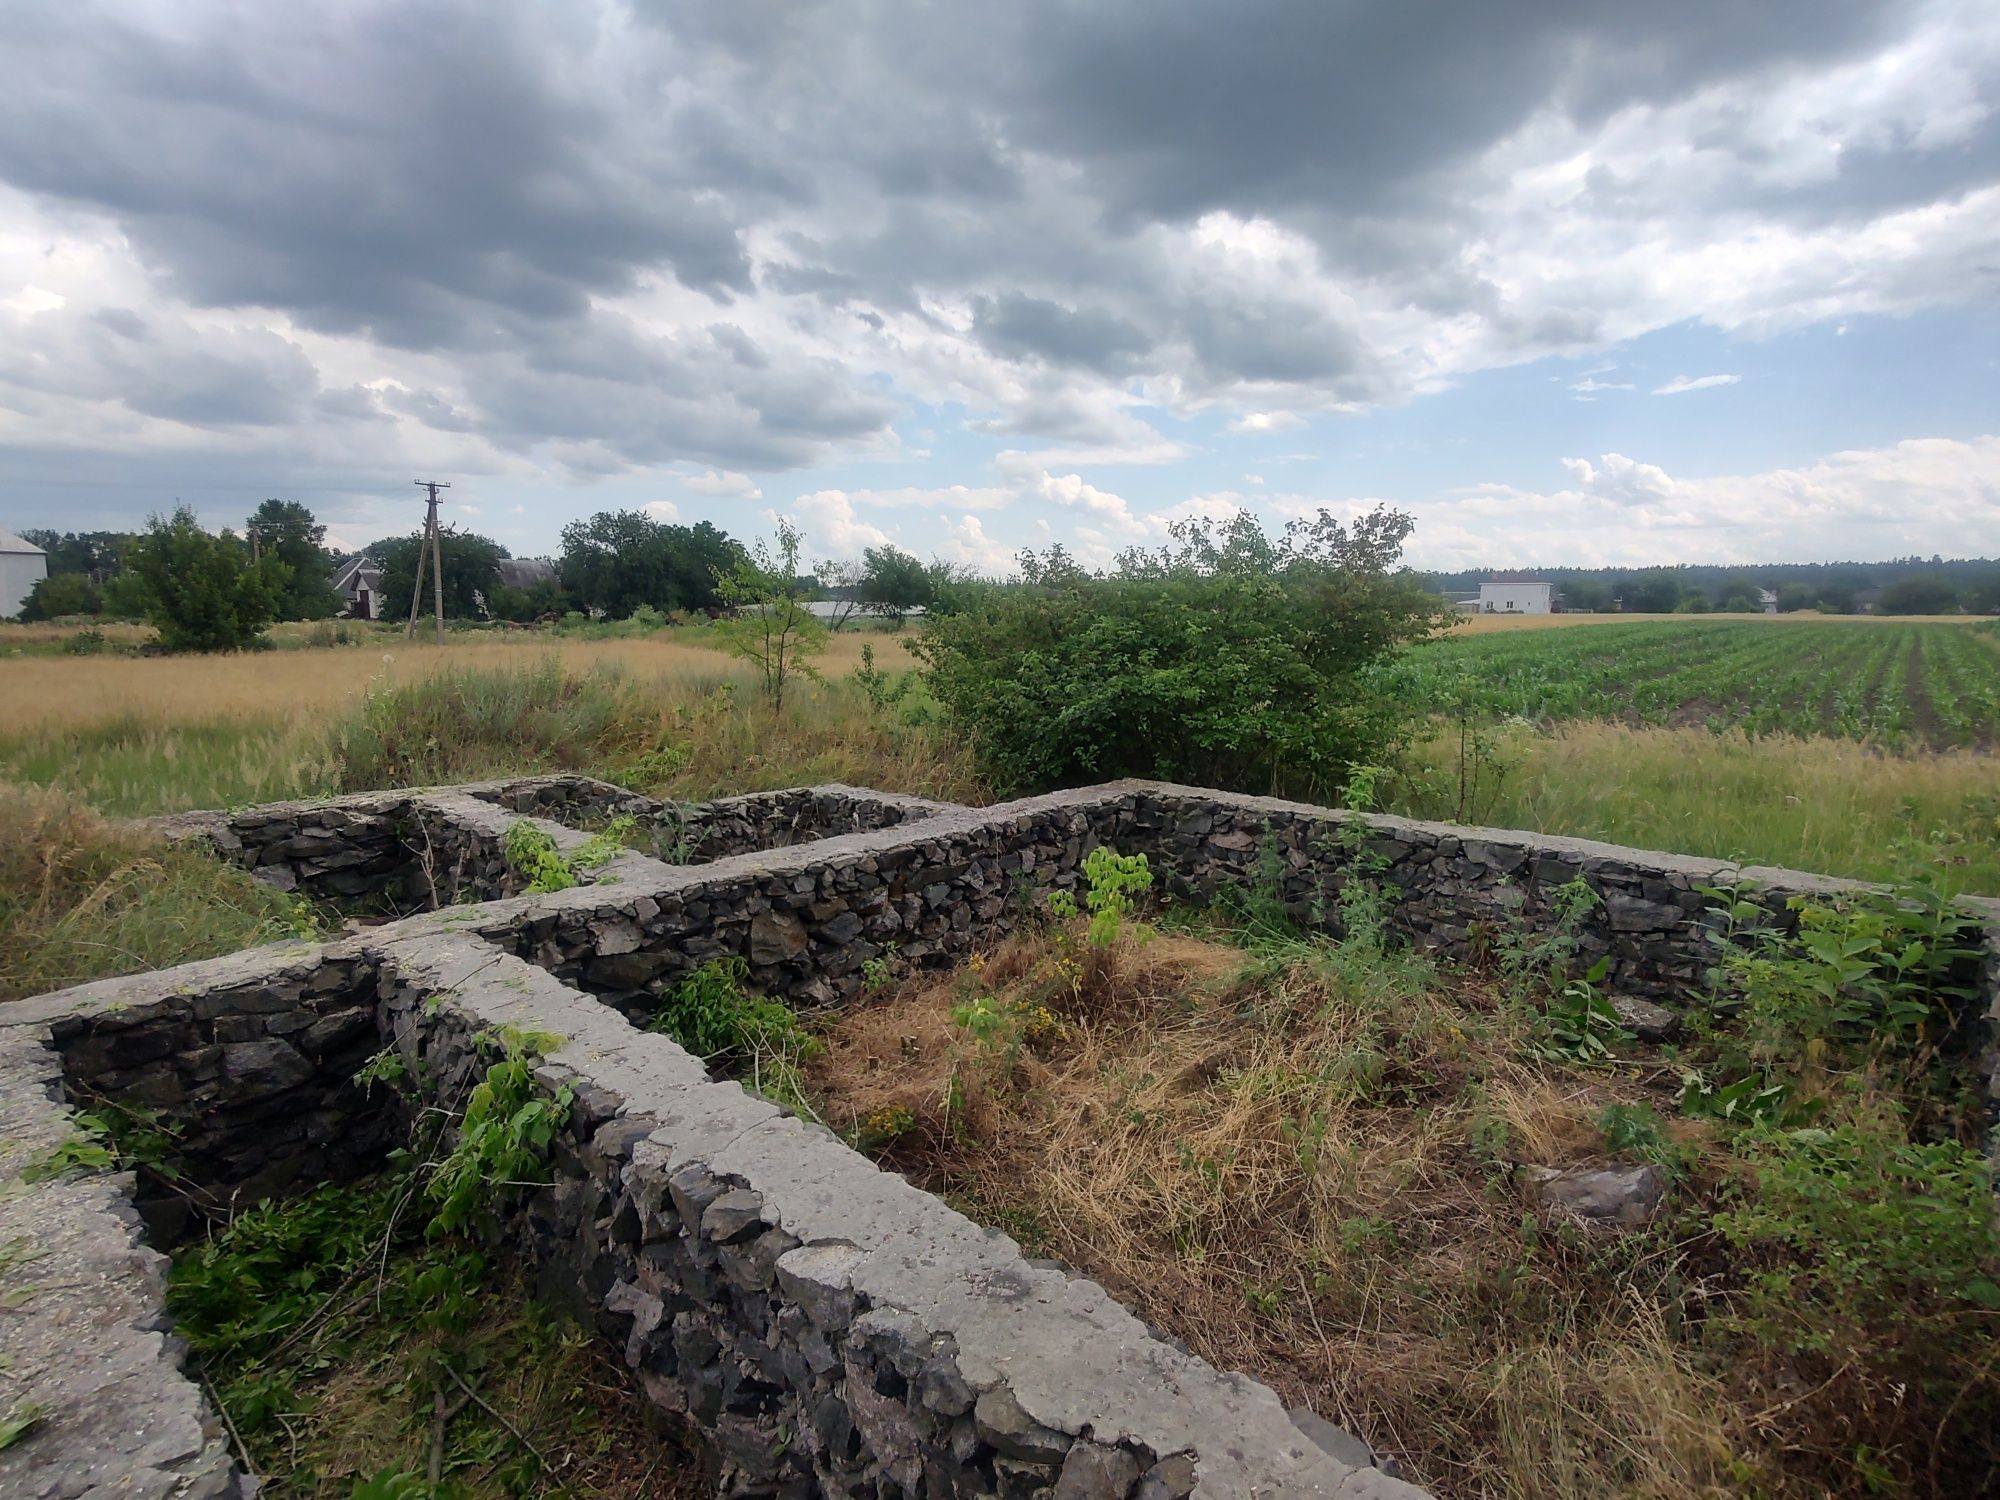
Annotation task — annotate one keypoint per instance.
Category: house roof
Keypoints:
(11, 543)
(340, 575)
(524, 572)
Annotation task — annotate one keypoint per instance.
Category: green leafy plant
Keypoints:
(708, 1013)
(656, 767)
(19, 1422)
(769, 625)
(1111, 881)
(1227, 658)
(878, 972)
(1363, 901)
(1863, 1236)
(531, 853)
(390, 1484)
(605, 845)
(85, 1151)
(503, 1137)
(884, 690)
(884, 1127)
(1580, 1021)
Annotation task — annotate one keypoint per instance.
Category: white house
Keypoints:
(22, 566)
(358, 581)
(1518, 597)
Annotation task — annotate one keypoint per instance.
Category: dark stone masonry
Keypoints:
(830, 1328)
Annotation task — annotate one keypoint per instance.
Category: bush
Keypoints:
(1226, 659)
(61, 594)
(203, 592)
(709, 1014)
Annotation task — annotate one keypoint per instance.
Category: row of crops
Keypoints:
(1907, 684)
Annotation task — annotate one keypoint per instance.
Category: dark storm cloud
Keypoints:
(1029, 327)
(383, 169)
(804, 193)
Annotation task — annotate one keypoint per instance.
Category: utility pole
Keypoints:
(430, 543)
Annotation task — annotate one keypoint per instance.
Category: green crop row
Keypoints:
(1932, 685)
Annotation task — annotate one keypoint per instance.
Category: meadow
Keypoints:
(1777, 740)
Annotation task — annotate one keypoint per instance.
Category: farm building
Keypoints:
(22, 566)
(358, 581)
(1519, 596)
(525, 572)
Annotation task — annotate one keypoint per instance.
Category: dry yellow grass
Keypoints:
(1301, 1171)
(76, 692)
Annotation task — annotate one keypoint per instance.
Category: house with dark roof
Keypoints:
(358, 581)
(525, 572)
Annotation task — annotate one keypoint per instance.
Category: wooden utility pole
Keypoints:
(432, 544)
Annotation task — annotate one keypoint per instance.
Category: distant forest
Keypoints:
(1902, 586)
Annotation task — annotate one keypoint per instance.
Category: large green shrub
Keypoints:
(61, 594)
(1226, 659)
(203, 593)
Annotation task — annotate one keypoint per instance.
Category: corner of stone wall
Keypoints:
(88, 1354)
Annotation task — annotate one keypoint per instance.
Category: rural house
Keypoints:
(358, 581)
(22, 566)
(1515, 596)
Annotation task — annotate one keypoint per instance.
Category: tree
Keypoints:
(203, 592)
(840, 581)
(1654, 592)
(61, 594)
(894, 582)
(288, 531)
(1588, 595)
(1225, 659)
(98, 555)
(1918, 594)
(471, 571)
(770, 626)
(527, 603)
(620, 559)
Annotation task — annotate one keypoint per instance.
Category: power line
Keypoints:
(430, 543)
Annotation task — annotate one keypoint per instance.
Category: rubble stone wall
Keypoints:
(833, 1329)
(244, 1068)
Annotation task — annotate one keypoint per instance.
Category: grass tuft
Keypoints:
(82, 898)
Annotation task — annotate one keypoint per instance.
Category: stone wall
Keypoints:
(408, 851)
(831, 1328)
(702, 832)
(246, 1068)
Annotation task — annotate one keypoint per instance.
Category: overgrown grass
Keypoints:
(345, 1343)
(81, 898)
(690, 734)
(1302, 1159)
(1835, 807)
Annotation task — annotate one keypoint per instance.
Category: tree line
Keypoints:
(1898, 586)
(219, 590)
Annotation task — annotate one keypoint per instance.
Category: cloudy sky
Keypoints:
(1572, 282)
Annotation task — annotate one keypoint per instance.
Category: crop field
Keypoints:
(1918, 685)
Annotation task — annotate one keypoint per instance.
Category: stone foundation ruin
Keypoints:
(830, 1328)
